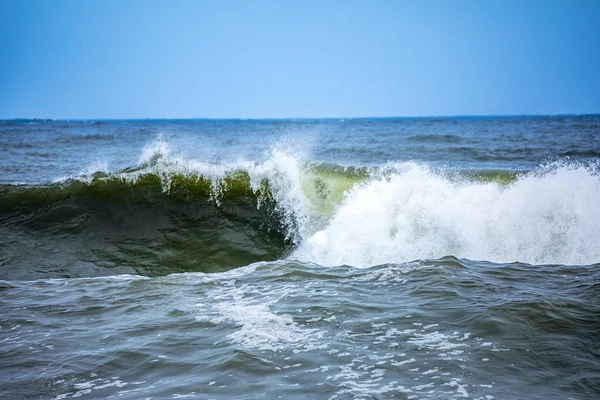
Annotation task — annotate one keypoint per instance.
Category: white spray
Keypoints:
(552, 216)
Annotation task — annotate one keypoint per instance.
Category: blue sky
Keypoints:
(273, 59)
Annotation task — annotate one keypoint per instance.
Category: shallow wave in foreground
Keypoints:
(433, 329)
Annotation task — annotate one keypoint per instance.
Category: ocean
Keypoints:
(370, 258)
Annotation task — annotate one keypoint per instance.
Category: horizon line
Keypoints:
(297, 118)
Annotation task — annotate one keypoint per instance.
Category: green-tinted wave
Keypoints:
(159, 221)
(155, 222)
(502, 177)
(113, 226)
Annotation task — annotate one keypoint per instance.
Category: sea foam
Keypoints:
(551, 215)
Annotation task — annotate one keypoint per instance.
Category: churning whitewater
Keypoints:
(335, 259)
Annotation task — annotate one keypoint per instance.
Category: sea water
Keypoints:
(423, 258)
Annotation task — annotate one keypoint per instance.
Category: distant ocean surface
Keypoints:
(406, 258)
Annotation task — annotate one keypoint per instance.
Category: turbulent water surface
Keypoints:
(428, 258)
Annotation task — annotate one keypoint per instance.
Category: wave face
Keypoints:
(168, 214)
(174, 214)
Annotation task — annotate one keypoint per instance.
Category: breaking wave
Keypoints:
(172, 214)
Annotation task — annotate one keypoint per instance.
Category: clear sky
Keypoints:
(255, 59)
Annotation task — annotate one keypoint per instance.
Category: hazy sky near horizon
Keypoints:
(273, 59)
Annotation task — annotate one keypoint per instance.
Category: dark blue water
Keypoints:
(39, 151)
